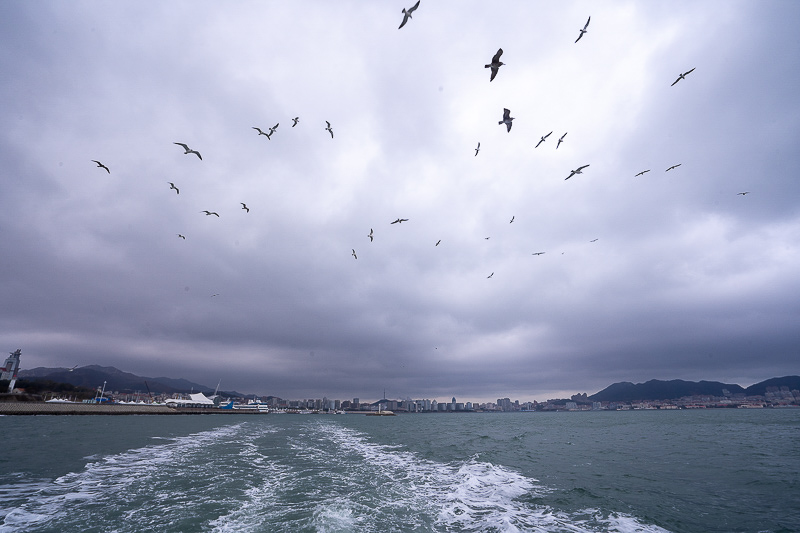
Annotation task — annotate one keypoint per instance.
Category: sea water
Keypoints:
(721, 470)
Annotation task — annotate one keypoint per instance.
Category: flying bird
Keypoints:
(295, 120)
(210, 213)
(578, 170)
(682, 77)
(260, 132)
(101, 165)
(172, 186)
(245, 207)
(495, 64)
(537, 253)
(643, 172)
(181, 236)
(400, 220)
(407, 13)
(490, 275)
(507, 118)
(189, 150)
(354, 253)
(437, 242)
(593, 240)
(329, 124)
(542, 140)
(583, 30)
(673, 166)
(512, 219)
(478, 149)
(273, 128)
(561, 140)
(742, 193)
(215, 294)
(370, 235)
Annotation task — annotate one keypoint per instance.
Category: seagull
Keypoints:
(215, 294)
(742, 193)
(354, 253)
(512, 219)
(490, 275)
(329, 124)
(295, 120)
(400, 220)
(478, 149)
(682, 77)
(370, 235)
(561, 140)
(407, 13)
(210, 213)
(593, 240)
(172, 186)
(537, 253)
(181, 236)
(486, 238)
(245, 207)
(189, 150)
(260, 132)
(642, 172)
(437, 242)
(673, 166)
(273, 128)
(495, 64)
(506, 119)
(101, 165)
(73, 368)
(583, 30)
(542, 140)
(578, 170)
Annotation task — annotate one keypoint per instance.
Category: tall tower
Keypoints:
(11, 368)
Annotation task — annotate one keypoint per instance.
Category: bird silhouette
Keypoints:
(210, 213)
(172, 186)
(295, 120)
(354, 253)
(329, 126)
(490, 275)
(537, 253)
(407, 14)
(437, 242)
(245, 207)
(261, 132)
(512, 219)
(681, 77)
(583, 30)
(542, 140)
(743, 193)
(400, 221)
(507, 118)
(495, 64)
(643, 172)
(370, 235)
(189, 150)
(561, 140)
(101, 165)
(478, 149)
(578, 170)
(673, 166)
(181, 236)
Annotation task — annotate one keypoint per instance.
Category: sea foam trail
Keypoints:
(135, 487)
(343, 482)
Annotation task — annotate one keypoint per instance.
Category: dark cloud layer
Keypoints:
(666, 275)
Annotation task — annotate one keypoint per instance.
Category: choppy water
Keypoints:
(645, 471)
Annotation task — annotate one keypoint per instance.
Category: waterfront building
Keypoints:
(11, 368)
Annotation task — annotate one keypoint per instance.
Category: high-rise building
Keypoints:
(11, 368)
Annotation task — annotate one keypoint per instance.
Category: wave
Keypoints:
(314, 475)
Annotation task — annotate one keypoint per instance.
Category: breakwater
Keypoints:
(44, 408)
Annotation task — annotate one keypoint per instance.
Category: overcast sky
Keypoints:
(665, 275)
